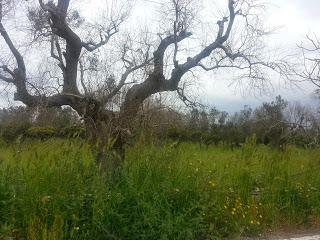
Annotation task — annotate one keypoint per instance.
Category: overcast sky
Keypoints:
(294, 19)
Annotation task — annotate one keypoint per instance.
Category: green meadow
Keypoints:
(54, 190)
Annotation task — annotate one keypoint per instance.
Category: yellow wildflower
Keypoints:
(212, 184)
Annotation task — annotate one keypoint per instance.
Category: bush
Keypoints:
(41, 132)
(9, 133)
(74, 131)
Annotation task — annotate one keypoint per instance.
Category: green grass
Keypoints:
(54, 190)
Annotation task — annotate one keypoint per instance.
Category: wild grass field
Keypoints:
(54, 190)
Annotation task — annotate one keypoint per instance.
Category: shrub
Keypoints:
(9, 133)
(73, 131)
(40, 132)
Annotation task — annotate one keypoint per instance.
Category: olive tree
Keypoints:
(155, 62)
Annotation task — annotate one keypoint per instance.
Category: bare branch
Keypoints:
(126, 74)
(309, 69)
(56, 46)
(6, 79)
(104, 37)
(175, 31)
(1, 10)
(188, 102)
(62, 7)
(7, 70)
(13, 49)
(60, 27)
(90, 46)
(164, 44)
(19, 79)
(82, 70)
(181, 69)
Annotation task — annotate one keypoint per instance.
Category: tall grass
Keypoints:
(54, 190)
